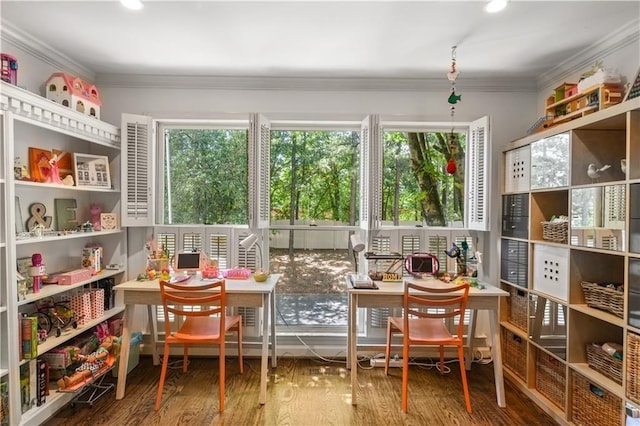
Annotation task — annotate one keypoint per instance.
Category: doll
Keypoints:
(92, 363)
(95, 210)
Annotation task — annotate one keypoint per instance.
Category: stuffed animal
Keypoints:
(95, 209)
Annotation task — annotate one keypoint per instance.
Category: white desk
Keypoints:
(390, 294)
(244, 293)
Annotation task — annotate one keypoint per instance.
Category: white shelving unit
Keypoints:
(28, 120)
(547, 324)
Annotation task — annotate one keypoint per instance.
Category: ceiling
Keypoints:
(322, 39)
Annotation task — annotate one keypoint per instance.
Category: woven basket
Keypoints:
(593, 405)
(550, 378)
(558, 232)
(604, 363)
(517, 308)
(514, 353)
(633, 367)
(603, 298)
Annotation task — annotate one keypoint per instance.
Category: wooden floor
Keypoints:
(304, 392)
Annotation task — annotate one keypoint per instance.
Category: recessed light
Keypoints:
(132, 4)
(496, 6)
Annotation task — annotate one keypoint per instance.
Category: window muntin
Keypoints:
(416, 188)
(204, 174)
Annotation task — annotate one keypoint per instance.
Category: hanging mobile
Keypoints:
(452, 75)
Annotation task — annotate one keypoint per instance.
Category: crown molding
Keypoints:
(584, 60)
(11, 34)
(312, 83)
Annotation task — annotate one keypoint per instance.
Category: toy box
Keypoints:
(73, 277)
(92, 259)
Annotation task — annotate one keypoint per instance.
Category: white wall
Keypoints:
(512, 113)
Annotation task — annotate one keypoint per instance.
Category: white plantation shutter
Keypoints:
(137, 170)
(437, 245)
(217, 250)
(370, 172)
(477, 176)
(192, 241)
(259, 171)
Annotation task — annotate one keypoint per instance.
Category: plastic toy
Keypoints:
(9, 68)
(74, 93)
(95, 210)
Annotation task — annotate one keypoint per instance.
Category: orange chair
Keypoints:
(203, 309)
(427, 327)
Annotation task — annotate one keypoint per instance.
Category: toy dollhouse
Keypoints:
(74, 93)
(9, 68)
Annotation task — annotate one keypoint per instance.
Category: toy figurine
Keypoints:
(95, 210)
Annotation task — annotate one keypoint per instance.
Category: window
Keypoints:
(314, 177)
(416, 187)
(314, 192)
(435, 174)
(204, 175)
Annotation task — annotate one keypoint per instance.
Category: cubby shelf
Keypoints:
(598, 248)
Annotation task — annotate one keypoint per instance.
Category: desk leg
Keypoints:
(349, 331)
(496, 353)
(153, 331)
(470, 338)
(124, 350)
(353, 351)
(265, 349)
(274, 354)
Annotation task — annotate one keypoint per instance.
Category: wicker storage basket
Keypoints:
(592, 405)
(551, 378)
(633, 367)
(603, 298)
(514, 353)
(517, 308)
(604, 363)
(558, 232)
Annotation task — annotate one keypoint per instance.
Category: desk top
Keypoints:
(397, 287)
(232, 286)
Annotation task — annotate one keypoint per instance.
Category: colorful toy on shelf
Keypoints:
(9, 68)
(95, 210)
(74, 93)
(37, 271)
(52, 175)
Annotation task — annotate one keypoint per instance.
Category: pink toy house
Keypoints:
(9, 68)
(74, 93)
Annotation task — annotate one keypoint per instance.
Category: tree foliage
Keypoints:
(416, 186)
(205, 176)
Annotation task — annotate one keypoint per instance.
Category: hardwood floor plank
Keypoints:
(304, 392)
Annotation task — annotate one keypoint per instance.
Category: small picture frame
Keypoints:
(108, 221)
(91, 170)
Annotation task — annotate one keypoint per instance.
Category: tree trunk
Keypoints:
(421, 165)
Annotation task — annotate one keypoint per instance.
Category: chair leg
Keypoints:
(185, 358)
(240, 347)
(441, 359)
(405, 374)
(463, 373)
(221, 378)
(387, 352)
(163, 375)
